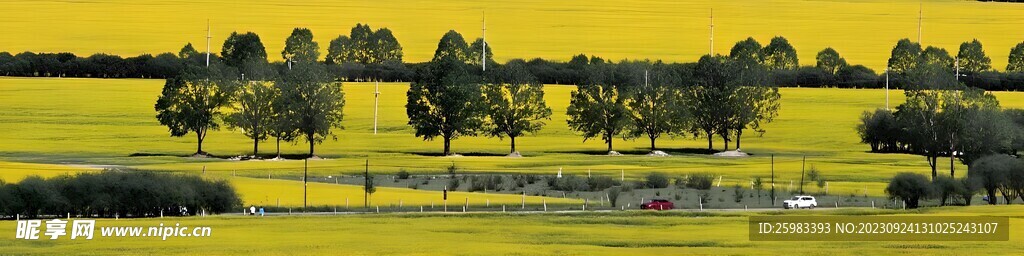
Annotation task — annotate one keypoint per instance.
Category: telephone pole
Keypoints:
(483, 46)
(376, 99)
(208, 42)
(887, 69)
(920, 19)
(712, 38)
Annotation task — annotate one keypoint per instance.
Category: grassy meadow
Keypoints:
(614, 233)
(863, 31)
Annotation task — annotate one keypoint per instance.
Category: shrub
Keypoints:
(737, 193)
(599, 183)
(909, 187)
(570, 183)
(945, 188)
(699, 181)
(453, 184)
(613, 195)
(656, 180)
(992, 173)
(402, 174)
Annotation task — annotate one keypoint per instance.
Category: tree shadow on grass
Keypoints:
(644, 151)
(211, 156)
(436, 154)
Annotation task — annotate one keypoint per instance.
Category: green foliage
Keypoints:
(656, 106)
(830, 61)
(946, 188)
(192, 102)
(613, 195)
(597, 109)
(365, 46)
(737, 193)
(1016, 59)
(905, 56)
(937, 56)
(515, 102)
(656, 180)
(300, 47)
(473, 53)
(972, 57)
(701, 181)
(312, 102)
(402, 174)
(243, 48)
(113, 192)
(452, 45)
(748, 50)
(909, 187)
(779, 54)
(446, 102)
(881, 130)
(253, 111)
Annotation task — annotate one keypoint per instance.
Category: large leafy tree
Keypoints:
(936, 56)
(386, 47)
(748, 50)
(191, 102)
(655, 107)
(905, 56)
(779, 54)
(474, 53)
(710, 97)
(361, 43)
(340, 50)
(830, 61)
(515, 102)
(445, 102)
(300, 47)
(597, 108)
(1015, 63)
(239, 49)
(253, 111)
(313, 102)
(452, 45)
(972, 57)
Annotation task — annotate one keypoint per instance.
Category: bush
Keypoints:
(570, 183)
(109, 193)
(656, 180)
(945, 188)
(599, 183)
(613, 195)
(737, 193)
(910, 187)
(700, 181)
(453, 184)
(402, 174)
(993, 173)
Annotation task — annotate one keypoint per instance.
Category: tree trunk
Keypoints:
(278, 147)
(255, 147)
(609, 145)
(199, 139)
(710, 142)
(447, 145)
(725, 142)
(991, 196)
(739, 133)
(952, 168)
(310, 145)
(513, 144)
(652, 143)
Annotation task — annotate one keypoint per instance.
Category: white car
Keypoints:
(800, 202)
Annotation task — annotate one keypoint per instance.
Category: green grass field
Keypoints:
(863, 31)
(616, 233)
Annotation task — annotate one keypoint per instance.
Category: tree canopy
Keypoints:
(515, 102)
(312, 102)
(243, 48)
(445, 101)
(300, 47)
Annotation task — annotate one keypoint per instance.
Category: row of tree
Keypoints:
(116, 193)
(989, 174)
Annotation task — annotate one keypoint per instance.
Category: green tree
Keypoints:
(921, 112)
(779, 54)
(340, 51)
(386, 47)
(748, 50)
(474, 53)
(445, 101)
(253, 112)
(243, 48)
(300, 47)
(705, 100)
(905, 56)
(597, 108)
(936, 56)
(515, 102)
(830, 61)
(454, 46)
(192, 102)
(361, 43)
(188, 52)
(910, 188)
(1015, 63)
(972, 57)
(655, 107)
(313, 102)
(991, 172)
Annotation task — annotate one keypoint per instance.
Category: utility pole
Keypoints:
(483, 46)
(305, 185)
(208, 42)
(712, 26)
(802, 168)
(773, 179)
(957, 66)
(376, 98)
(921, 17)
(887, 69)
(366, 184)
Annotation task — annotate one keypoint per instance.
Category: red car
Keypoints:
(658, 204)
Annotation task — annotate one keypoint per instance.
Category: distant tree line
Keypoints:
(113, 193)
(376, 55)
